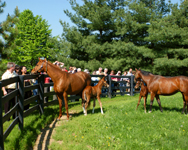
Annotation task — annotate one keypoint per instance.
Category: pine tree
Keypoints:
(8, 32)
(169, 36)
(113, 32)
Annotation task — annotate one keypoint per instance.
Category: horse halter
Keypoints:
(42, 66)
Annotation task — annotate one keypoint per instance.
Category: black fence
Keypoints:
(115, 88)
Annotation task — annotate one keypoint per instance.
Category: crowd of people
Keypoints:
(105, 73)
(14, 70)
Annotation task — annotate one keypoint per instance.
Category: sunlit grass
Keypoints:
(121, 127)
(33, 124)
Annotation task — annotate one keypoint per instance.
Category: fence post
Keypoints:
(132, 86)
(109, 89)
(1, 120)
(21, 101)
(41, 93)
(16, 98)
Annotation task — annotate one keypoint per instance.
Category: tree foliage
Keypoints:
(118, 34)
(8, 33)
(31, 42)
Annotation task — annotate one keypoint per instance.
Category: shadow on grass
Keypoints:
(89, 111)
(37, 124)
(156, 108)
(31, 130)
(44, 139)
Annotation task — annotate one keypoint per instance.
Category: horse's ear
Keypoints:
(45, 59)
(39, 59)
(139, 69)
(135, 69)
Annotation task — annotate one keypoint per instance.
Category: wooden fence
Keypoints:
(18, 93)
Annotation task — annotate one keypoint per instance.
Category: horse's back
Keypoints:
(171, 85)
(85, 76)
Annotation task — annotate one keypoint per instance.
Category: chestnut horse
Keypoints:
(93, 92)
(159, 85)
(143, 92)
(64, 83)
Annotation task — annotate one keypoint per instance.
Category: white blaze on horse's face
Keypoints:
(39, 67)
(106, 84)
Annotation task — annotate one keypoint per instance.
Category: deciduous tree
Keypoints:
(31, 42)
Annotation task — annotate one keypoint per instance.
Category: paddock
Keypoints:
(18, 108)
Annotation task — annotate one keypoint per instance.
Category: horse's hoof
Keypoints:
(58, 119)
(149, 111)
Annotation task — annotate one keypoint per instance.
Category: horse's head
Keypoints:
(137, 74)
(40, 67)
(105, 82)
(138, 83)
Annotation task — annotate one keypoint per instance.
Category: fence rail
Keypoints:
(19, 92)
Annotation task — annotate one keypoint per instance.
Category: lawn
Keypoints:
(121, 127)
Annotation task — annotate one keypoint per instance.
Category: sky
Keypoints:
(51, 11)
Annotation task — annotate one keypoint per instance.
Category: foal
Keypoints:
(93, 92)
(143, 93)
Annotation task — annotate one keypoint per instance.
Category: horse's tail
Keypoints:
(85, 97)
(89, 103)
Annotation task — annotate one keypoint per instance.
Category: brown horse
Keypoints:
(143, 92)
(93, 92)
(159, 85)
(64, 83)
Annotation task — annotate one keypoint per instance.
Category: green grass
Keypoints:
(121, 127)
(25, 139)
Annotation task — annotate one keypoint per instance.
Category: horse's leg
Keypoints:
(85, 108)
(87, 102)
(83, 105)
(99, 100)
(60, 105)
(66, 104)
(138, 101)
(145, 99)
(151, 101)
(185, 102)
(93, 104)
(159, 102)
(83, 102)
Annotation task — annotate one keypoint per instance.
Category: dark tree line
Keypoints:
(119, 34)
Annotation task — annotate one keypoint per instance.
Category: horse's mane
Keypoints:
(54, 65)
(145, 72)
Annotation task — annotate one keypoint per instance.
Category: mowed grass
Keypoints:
(25, 139)
(121, 127)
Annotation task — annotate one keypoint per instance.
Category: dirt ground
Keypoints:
(45, 138)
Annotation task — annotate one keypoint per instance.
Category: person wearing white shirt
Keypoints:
(10, 73)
